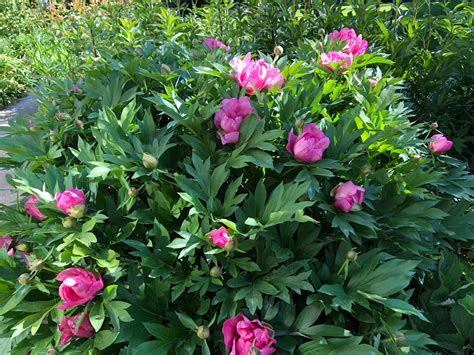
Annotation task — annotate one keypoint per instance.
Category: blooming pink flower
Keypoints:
(32, 209)
(241, 334)
(354, 46)
(71, 202)
(212, 43)
(227, 120)
(309, 146)
(220, 237)
(330, 59)
(440, 144)
(347, 195)
(256, 74)
(5, 242)
(78, 287)
(68, 328)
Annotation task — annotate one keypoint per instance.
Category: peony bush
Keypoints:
(179, 199)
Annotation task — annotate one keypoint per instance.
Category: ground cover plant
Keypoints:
(182, 194)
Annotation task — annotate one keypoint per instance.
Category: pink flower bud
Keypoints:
(5, 242)
(78, 287)
(309, 146)
(242, 335)
(227, 120)
(71, 202)
(220, 237)
(347, 195)
(32, 209)
(440, 144)
(69, 328)
(212, 43)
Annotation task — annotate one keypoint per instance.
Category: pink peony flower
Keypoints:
(71, 202)
(347, 195)
(32, 209)
(212, 43)
(5, 242)
(220, 237)
(309, 146)
(440, 144)
(330, 59)
(355, 45)
(78, 287)
(227, 120)
(256, 74)
(241, 334)
(68, 327)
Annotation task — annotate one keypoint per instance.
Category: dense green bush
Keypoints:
(133, 127)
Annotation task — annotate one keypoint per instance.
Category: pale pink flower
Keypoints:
(336, 59)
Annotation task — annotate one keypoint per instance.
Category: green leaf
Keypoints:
(307, 317)
(468, 304)
(104, 338)
(97, 316)
(315, 347)
(187, 321)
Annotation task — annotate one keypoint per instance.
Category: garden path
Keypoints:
(24, 106)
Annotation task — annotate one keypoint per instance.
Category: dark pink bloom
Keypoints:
(309, 146)
(440, 144)
(212, 43)
(336, 59)
(75, 88)
(241, 334)
(220, 237)
(354, 44)
(71, 202)
(347, 195)
(227, 120)
(69, 328)
(252, 74)
(78, 287)
(5, 242)
(32, 209)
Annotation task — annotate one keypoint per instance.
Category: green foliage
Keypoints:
(394, 277)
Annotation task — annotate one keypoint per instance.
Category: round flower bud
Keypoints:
(319, 46)
(216, 271)
(79, 124)
(149, 161)
(36, 265)
(321, 32)
(399, 338)
(52, 351)
(69, 222)
(417, 157)
(165, 69)
(351, 255)
(278, 51)
(434, 125)
(132, 192)
(203, 332)
(231, 245)
(366, 169)
(22, 247)
(24, 279)
(53, 136)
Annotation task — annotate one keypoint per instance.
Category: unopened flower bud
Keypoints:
(417, 157)
(22, 247)
(52, 351)
(36, 265)
(319, 46)
(203, 332)
(53, 136)
(216, 272)
(132, 192)
(149, 161)
(76, 89)
(351, 255)
(366, 169)
(278, 51)
(434, 125)
(165, 69)
(79, 124)
(78, 211)
(69, 222)
(399, 338)
(24, 279)
(321, 32)
(299, 124)
(231, 245)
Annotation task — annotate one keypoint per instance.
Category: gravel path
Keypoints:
(24, 106)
